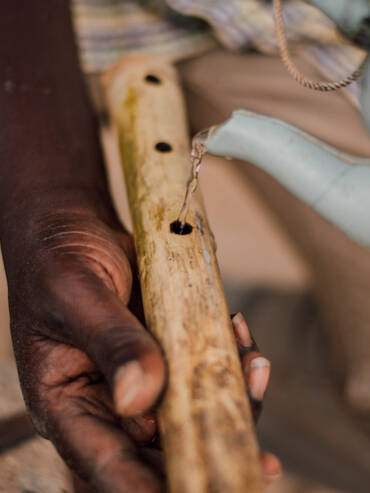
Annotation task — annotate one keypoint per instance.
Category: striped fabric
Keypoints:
(108, 29)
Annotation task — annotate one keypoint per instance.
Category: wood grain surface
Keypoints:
(205, 419)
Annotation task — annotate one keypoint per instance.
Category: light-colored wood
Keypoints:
(205, 420)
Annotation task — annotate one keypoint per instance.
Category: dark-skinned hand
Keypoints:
(89, 370)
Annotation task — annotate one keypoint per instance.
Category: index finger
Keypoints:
(101, 454)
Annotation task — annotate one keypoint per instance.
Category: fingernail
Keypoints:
(271, 467)
(258, 377)
(129, 381)
(241, 329)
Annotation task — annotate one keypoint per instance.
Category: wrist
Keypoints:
(21, 220)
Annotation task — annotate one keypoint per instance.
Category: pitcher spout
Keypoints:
(335, 184)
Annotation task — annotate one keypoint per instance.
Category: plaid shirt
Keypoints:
(108, 29)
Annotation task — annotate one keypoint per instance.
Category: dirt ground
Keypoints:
(252, 251)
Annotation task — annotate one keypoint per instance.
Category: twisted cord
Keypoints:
(293, 70)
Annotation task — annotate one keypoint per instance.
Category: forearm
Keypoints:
(49, 145)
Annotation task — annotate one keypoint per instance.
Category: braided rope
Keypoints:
(291, 67)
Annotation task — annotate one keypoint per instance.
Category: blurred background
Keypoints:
(304, 422)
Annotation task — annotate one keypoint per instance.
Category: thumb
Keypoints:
(133, 364)
(114, 339)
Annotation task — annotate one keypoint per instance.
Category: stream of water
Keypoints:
(198, 150)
